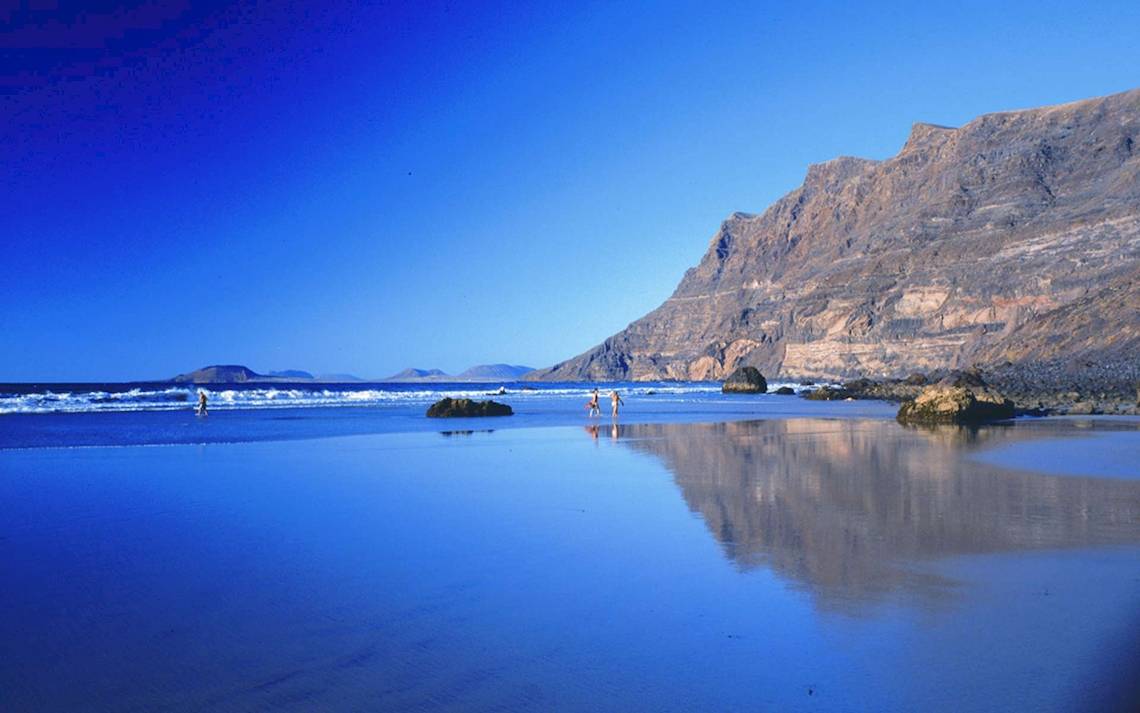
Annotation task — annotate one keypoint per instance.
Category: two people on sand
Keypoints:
(592, 408)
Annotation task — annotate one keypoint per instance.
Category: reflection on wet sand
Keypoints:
(593, 430)
(847, 508)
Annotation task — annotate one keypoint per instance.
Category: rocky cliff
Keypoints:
(1013, 237)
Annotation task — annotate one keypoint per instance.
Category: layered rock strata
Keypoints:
(1015, 237)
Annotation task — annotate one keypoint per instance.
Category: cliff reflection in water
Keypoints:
(846, 508)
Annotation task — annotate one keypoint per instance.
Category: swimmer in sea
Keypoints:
(202, 403)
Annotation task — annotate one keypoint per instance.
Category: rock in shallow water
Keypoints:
(828, 393)
(745, 380)
(956, 401)
(459, 408)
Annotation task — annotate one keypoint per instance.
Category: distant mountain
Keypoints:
(220, 374)
(418, 375)
(236, 374)
(292, 374)
(482, 372)
(339, 378)
(1014, 237)
(494, 372)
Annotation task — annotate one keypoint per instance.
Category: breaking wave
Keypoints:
(93, 400)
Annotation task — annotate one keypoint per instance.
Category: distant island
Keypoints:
(413, 374)
(482, 372)
(239, 374)
(292, 374)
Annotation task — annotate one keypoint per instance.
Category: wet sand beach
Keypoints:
(780, 564)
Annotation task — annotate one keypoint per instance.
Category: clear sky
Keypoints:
(345, 188)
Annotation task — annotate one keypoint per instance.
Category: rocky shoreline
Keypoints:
(1036, 388)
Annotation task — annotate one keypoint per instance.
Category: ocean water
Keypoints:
(164, 396)
(63, 415)
(701, 553)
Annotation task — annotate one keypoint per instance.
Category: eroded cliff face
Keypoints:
(1016, 236)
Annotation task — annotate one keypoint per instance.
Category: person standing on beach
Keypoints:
(615, 400)
(592, 408)
(202, 403)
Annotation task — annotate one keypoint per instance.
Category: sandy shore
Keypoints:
(784, 564)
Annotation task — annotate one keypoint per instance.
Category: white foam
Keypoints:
(185, 398)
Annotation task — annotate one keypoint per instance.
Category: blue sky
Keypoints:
(361, 188)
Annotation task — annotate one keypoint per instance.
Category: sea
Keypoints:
(142, 413)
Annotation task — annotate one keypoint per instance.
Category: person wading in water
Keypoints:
(202, 403)
(592, 408)
(615, 400)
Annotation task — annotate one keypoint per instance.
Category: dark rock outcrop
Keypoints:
(463, 408)
(1036, 388)
(1057, 385)
(785, 391)
(1013, 237)
(828, 393)
(961, 399)
(885, 390)
(745, 380)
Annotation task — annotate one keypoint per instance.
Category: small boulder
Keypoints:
(859, 386)
(462, 408)
(1083, 408)
(745, 380)
(785, 391)
(828, 393)
(962, 399)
